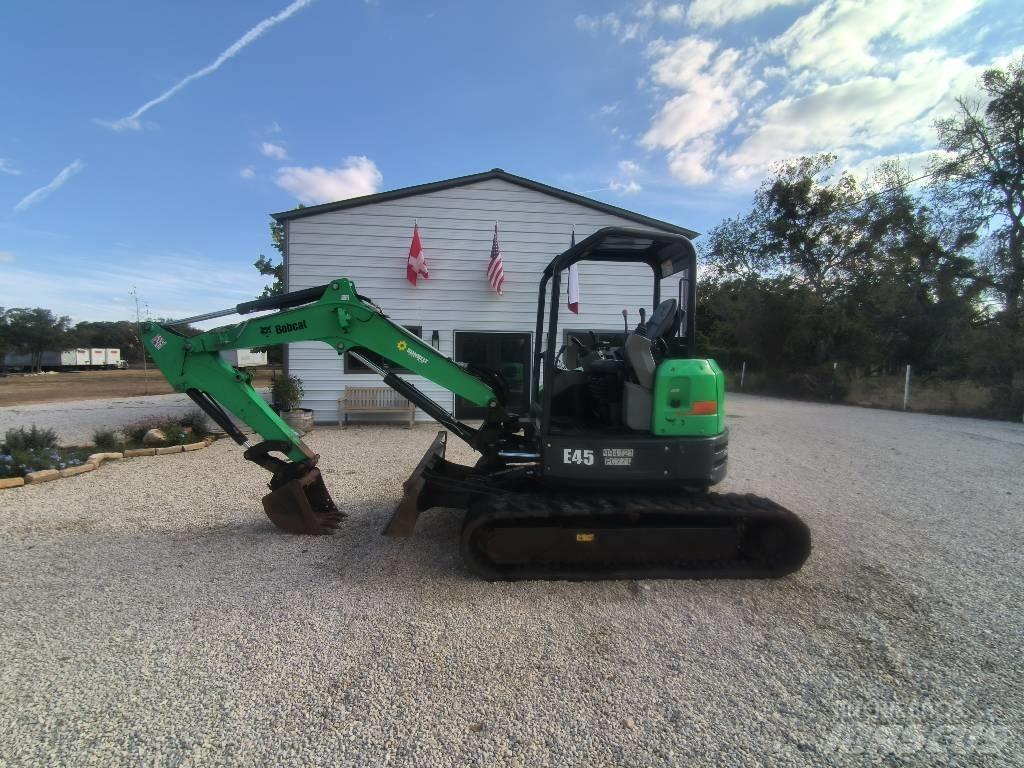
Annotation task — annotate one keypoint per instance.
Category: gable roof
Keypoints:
(461, 181)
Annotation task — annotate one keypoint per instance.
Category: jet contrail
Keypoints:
(131, 122)
(58, 181)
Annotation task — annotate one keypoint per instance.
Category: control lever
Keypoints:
(625, 321)
(643, 315)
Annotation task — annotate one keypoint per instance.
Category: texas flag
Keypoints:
(574, 282)
(417, 264)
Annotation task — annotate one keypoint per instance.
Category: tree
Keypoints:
(982, 177)
(267, 267)
(5, 334)
(804, 225)
(36, 331)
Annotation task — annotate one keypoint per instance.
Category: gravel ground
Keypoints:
(75, 421)
(149, 615)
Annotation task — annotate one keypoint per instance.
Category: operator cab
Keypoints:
(603, 384)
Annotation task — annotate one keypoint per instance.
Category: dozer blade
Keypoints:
(403, 520)
(303, 505)
(618, 536)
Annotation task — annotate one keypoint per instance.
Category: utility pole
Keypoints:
(906, 389)
(138, 331)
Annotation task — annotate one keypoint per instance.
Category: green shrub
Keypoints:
(197, 421)
(287, 392)
(106, 440)
(174, 433)
(32, 439)
(17, 462)
(177, 430)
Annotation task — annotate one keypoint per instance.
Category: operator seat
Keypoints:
(638, 398)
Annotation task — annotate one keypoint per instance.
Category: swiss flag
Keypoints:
(417, 264)
(574, 283)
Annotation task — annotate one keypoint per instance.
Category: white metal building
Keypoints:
(367, 240)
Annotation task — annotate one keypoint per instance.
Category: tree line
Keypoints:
(828, 277)
(36, 330)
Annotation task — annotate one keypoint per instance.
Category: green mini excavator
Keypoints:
(606, 474)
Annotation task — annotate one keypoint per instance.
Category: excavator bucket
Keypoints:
(303, 505)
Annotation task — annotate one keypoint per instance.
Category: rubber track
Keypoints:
(744, 511)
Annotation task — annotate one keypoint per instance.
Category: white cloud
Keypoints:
(132, 121)
(247, 173)
(865, 79)
(673, 13)
(691, 162)
(58, 181)
(6, 257)
(609, 21)
(355, 177)
(626, 183)
(717, 13)
(858, 118)
(609, 109)
(269, 149)
(712, 86)
(613, 24)
(629, 187)
(838, 37)
(6, 167)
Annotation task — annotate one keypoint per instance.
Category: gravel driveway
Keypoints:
(149, 614)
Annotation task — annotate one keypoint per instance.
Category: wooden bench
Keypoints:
(373, 400)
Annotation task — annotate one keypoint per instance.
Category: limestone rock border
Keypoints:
(96, 460)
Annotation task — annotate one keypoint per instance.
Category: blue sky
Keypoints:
(144, 144)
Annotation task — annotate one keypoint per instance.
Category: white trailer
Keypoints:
(68, 359)
(244, 358)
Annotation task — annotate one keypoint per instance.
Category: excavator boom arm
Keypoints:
(341, 318)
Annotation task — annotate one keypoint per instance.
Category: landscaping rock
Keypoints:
(42, 476)
(96, 459)
(79, 470)
(154, 437)
(130, 454)
(11, 482)
(168, 449)
(194, 446)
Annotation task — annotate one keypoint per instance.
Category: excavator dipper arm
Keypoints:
(334, 314)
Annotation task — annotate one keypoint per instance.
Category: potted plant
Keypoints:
(287, 394)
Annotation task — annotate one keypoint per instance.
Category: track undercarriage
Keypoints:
(515, 528)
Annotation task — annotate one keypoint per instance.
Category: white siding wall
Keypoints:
(369, 244)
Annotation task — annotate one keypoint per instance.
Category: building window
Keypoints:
(354, 366)
(569, 357)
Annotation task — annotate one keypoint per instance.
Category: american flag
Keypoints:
(495, 269)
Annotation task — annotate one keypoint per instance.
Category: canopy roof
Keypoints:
(667, 254)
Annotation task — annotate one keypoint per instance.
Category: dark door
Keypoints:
(506, 353)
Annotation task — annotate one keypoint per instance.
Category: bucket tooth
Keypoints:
(303, 505)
